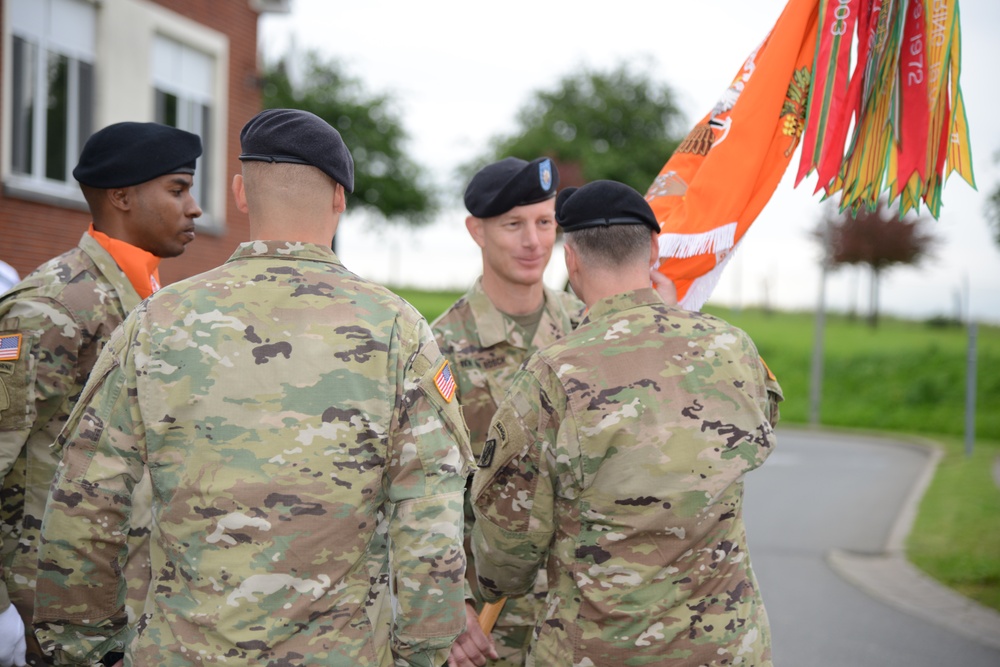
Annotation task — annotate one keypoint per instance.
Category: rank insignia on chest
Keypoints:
(445, 382)
(10, 347)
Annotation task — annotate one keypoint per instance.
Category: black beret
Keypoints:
(511, 182)
(601, 204)
(125, 154)
(298, 137)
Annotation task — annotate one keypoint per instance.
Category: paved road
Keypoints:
(820, 492)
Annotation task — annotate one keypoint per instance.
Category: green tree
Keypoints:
(386, 180)
(620, 125)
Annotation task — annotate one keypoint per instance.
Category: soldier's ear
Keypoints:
(475, 227)
(240, 193)
(572, 259)
(573, 272)
(339, 198)
(120, 198)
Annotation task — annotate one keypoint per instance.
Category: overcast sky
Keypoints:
(460, 71)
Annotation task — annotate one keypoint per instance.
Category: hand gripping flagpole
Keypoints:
(490, 613)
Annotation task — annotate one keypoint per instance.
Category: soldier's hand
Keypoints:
(665, 286)
(12, 642)
(472, 648)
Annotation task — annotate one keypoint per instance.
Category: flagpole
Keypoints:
(488, 617)
(816, 371)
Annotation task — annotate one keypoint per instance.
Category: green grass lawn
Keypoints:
(956, 535)
(903, 376)
(430, 304)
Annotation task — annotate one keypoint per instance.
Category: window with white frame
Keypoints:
(183, 88)
(52, 102)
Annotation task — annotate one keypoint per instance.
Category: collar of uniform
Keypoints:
(106, 264)
(491, 325)
(494, 327)
(646, 296)
(285, 250)
(141, 267)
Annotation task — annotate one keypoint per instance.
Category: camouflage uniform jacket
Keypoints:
(61, 315)
(617, 462)
(485, 347)
(307, 476)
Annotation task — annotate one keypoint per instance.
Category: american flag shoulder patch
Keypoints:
(10, 347)
(445, 382)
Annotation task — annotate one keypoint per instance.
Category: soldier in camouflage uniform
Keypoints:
(491, 330)
(54, 323)
(616, 463)
(307, 454)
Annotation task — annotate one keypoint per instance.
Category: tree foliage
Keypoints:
(620, 125)
(878, 239)
(386, 180)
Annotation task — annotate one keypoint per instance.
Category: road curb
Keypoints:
(893, 580)
(895, 544)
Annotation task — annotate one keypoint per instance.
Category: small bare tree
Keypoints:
(878, 239)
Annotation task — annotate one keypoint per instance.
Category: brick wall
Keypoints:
(31, 232)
